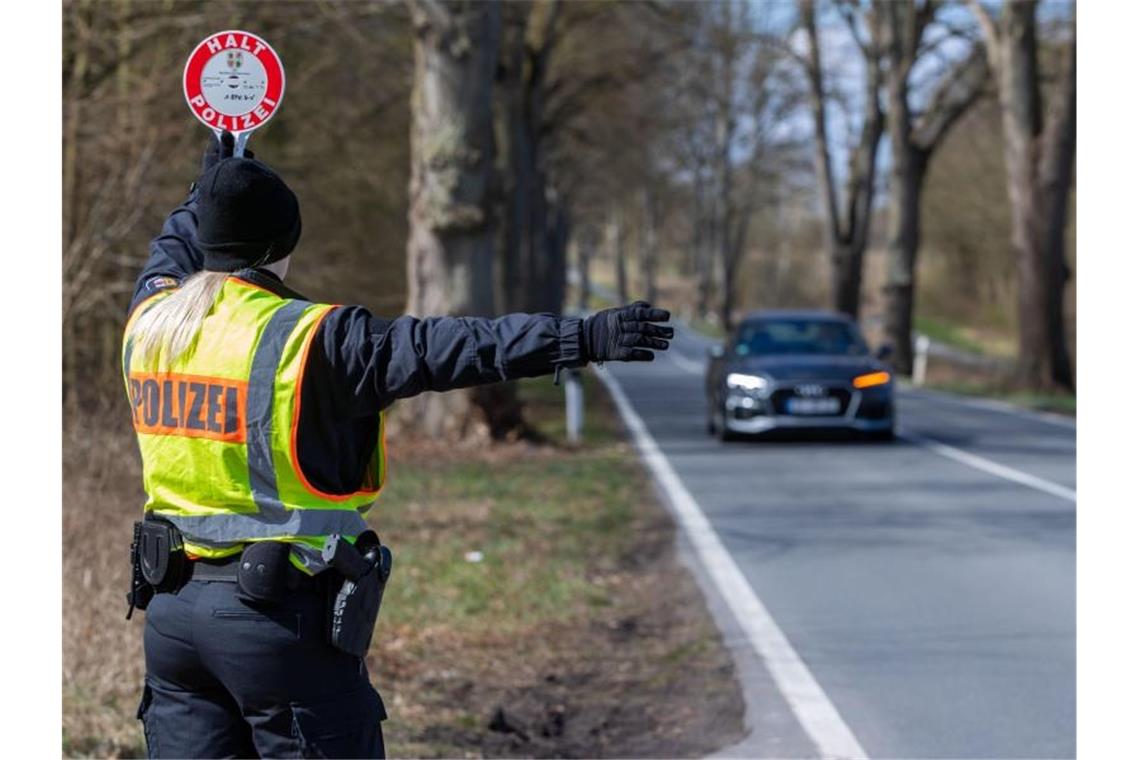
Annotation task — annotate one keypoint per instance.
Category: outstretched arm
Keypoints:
(379, 361)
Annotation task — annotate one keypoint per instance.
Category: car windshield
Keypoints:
(799, 336)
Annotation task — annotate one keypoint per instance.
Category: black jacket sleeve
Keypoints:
(174, 254)
(376, 361)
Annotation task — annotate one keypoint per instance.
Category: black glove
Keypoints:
(623, 334)
(218, 148)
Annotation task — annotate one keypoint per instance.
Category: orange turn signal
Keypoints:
(872, 378)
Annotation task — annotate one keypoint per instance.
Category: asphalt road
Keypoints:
(932, 601)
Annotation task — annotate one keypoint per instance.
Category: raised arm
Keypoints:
(378, 361)
(174, 254)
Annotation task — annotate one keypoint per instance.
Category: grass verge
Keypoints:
(1059, 403)
(536, 607)
(984, 342)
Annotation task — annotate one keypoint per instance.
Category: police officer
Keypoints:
(259, 420)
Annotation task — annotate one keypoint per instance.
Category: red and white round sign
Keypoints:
(234, 81)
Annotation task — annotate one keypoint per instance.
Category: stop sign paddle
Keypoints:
(234, 82)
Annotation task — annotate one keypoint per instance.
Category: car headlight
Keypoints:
(871, 379)
(746, 382)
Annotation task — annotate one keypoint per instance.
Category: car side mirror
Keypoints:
(716, 351)
(886, 351)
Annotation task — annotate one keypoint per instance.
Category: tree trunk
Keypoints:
(840, 269)
(859, 198)
(908, 170)
(1039, 172)
(552, 284)
(649, 254)
(72, 201)
(1021, 123)
(907, 177)
(537, 250)
(912, 142)
(728, 297)
(535, 278)
(691, 261)
(705, 263)
(584, 244)
(615, 232)
(723, 214)
(846, 235)
(451, 240)
(1056, 182)
(513, 134)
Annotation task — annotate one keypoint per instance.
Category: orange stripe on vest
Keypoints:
(189, 405)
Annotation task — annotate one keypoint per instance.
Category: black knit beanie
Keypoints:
(247, 216)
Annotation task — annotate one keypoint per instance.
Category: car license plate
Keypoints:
(813, 406)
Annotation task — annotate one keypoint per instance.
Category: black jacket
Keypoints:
(360, 364)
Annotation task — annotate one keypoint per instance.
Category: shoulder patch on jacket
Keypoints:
(160, 283)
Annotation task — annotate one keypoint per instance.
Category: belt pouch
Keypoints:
(263, 573)
(161, 559)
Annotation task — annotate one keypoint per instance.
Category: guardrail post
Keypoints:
(921, 351)
(575, 403)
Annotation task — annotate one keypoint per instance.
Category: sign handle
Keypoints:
(240, 140)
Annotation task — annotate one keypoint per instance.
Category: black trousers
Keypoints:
(224, 679)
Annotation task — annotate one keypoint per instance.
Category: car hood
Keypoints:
(805, 367)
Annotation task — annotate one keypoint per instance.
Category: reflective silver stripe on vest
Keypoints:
(228, 528)
(259, 411)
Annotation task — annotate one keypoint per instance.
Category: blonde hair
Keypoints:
(171, 325)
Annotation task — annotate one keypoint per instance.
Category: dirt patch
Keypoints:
(647, 679)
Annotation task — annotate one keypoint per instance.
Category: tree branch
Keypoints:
(954, 95)
(846, 10)
(989, 29)
(819, 120)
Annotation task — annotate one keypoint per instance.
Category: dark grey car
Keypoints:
(798, 369)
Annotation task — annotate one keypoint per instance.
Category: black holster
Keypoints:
(158, 561)
(354, 604)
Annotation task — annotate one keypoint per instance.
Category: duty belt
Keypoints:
(226, 570)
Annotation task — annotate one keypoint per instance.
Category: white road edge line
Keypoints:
(986, 465)
(806, 698)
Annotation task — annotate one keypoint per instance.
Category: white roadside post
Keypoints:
(234, 82)
(921, 351)
(575, 405)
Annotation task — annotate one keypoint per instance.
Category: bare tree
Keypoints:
(748, 99)
(847, 221)
(648, 240)
(451, 237)
(530, 34)
(615, 241)
(585, 241)
(913, 138)
(1039, 154)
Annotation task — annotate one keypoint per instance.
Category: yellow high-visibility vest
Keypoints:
(217, 429)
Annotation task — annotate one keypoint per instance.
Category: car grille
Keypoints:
(781, 396)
